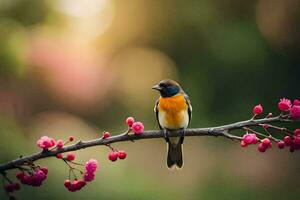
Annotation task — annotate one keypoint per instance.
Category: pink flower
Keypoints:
(106, 135)
(113, 156)
(70, 156)
(284, 105)
(261, 148)
(40, 175)
(36, 179)
(44, 169)
(138, 128)
(88, 177)
(59, 143)
(243, 144)
(296, 102)
(67, 183)
(295, 112)
(59, 155)
(249, 139)
(45, 142)
(122, 155)
(287, 140)
(270, 115)
(20, 175)
(130, 121)
(296, 140)
(75, 185)
(91, 166)
(258, 109)
(297, 132)
(266, 143)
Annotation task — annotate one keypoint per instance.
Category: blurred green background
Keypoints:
(78, 67)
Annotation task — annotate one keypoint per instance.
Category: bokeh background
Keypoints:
(79, 67)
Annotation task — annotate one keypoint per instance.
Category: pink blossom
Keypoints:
(138, 128)
(284, 105)
(40, 175)
(59, 143)
(70, 156)
(249, 139)
(287, 140)
(243, 144)
(296, 102)
(67, 183)
(91, 166)
(36, 179)
(266, 142)
(295, 112)
(59, 155)
(45, 142)
(122, 154)
(106, 135)
(280, 144)
(44, 169)
(258, 109)
(75, 185)
(297, 132)
(113, 156)
(261, 148)
(130, 121)
(88, 177)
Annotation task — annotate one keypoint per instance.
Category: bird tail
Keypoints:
(175, 157)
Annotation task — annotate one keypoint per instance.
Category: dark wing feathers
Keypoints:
(156, 112)
(190, 109)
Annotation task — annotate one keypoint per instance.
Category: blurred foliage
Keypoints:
(75, 67)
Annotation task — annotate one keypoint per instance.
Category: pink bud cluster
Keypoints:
(258, 109)
(75, 185)
(106, 135)
(249, 138)
(46, 142)
(11, 187)
(264, 145)
(136, 127)
(90, 167)
(34, 179)
(293, 142)
(69, 157)
(114, 155)
(88, 176)
(285, 105)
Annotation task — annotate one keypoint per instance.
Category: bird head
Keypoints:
(168, 88)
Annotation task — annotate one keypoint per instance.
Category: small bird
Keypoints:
(173, 112)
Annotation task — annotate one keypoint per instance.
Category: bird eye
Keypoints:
(163, 85)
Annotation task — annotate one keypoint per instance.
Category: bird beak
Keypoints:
(156, 87)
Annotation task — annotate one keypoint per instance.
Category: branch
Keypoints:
(213, 131)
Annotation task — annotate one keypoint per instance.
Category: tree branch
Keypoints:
(213, 131)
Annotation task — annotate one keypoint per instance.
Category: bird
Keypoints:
(173, 113)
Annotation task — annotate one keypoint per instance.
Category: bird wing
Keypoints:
(156, 112)
(190, 109)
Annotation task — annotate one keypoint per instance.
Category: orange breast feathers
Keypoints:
(173, 112)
